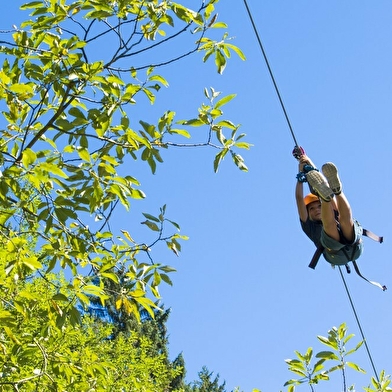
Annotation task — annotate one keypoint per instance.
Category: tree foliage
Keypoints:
(68, 134)
(206, 383)
(313, 369)
(71, 79)
(83, 357)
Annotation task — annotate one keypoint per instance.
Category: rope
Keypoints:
(272, 75)
(297, 145)
(359, 324)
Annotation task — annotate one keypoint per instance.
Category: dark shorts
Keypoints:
(339, 254)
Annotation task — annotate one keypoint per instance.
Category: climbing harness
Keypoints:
(320, 249)
(298, 152)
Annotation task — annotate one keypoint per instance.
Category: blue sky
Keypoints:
(243, 297)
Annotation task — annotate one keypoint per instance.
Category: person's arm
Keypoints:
(299, 198)
(299, 190)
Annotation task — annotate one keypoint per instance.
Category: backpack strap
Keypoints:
(316, 257)
(383, 288)
(373, 236)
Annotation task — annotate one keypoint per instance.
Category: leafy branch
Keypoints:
(336, 341)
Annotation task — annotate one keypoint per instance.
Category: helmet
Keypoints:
(310, 198)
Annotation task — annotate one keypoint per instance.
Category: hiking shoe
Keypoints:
(320, 185)
(331, 173)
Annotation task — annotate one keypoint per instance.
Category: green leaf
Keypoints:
(137, 194)
(151, 225)
(28, 157)
(219, 25)
(237, 50)
(128, 236)
(176, 225)
(32, 4)
(5, 215)
(23, 91)
(93, 290)
(151, 217)
(75, 317)
(355, 367)
(329, 355)
(347, 338)
(243, 145)
(295, 363)
(115, 79)
(60, 297)
(152, 163)
(166, 279)
(32, 263)
(7, 318)
(76, 112)
(159, 79)
(299, 372)
(112, 276)
(220, 61)
(218, 158)
(328, 342)
(11, 335)
(147, 304)
(84, 154)
(356, 348)
(224, 101)
(318, 366)
(52, 168)
(292, 382)
(195, 122)
(119, 191)
(181, 132)
(150, 129)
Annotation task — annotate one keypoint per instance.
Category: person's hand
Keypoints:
(305, 160)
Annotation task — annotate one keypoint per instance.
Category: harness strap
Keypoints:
(373, 236)
(319, 251)
(316, 256)
(383, 288)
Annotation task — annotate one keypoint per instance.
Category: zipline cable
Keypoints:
(297, 145)
(271, 74)
(359, 324)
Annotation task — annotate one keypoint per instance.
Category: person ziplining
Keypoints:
(326, 217)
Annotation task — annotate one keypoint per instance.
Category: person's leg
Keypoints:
(329, 189)
(329, 221)
(345, 216)
(320, 185)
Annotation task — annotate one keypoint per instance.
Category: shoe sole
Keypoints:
(320, 185)
(331, 173)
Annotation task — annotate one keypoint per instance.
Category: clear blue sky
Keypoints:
(243, 297)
